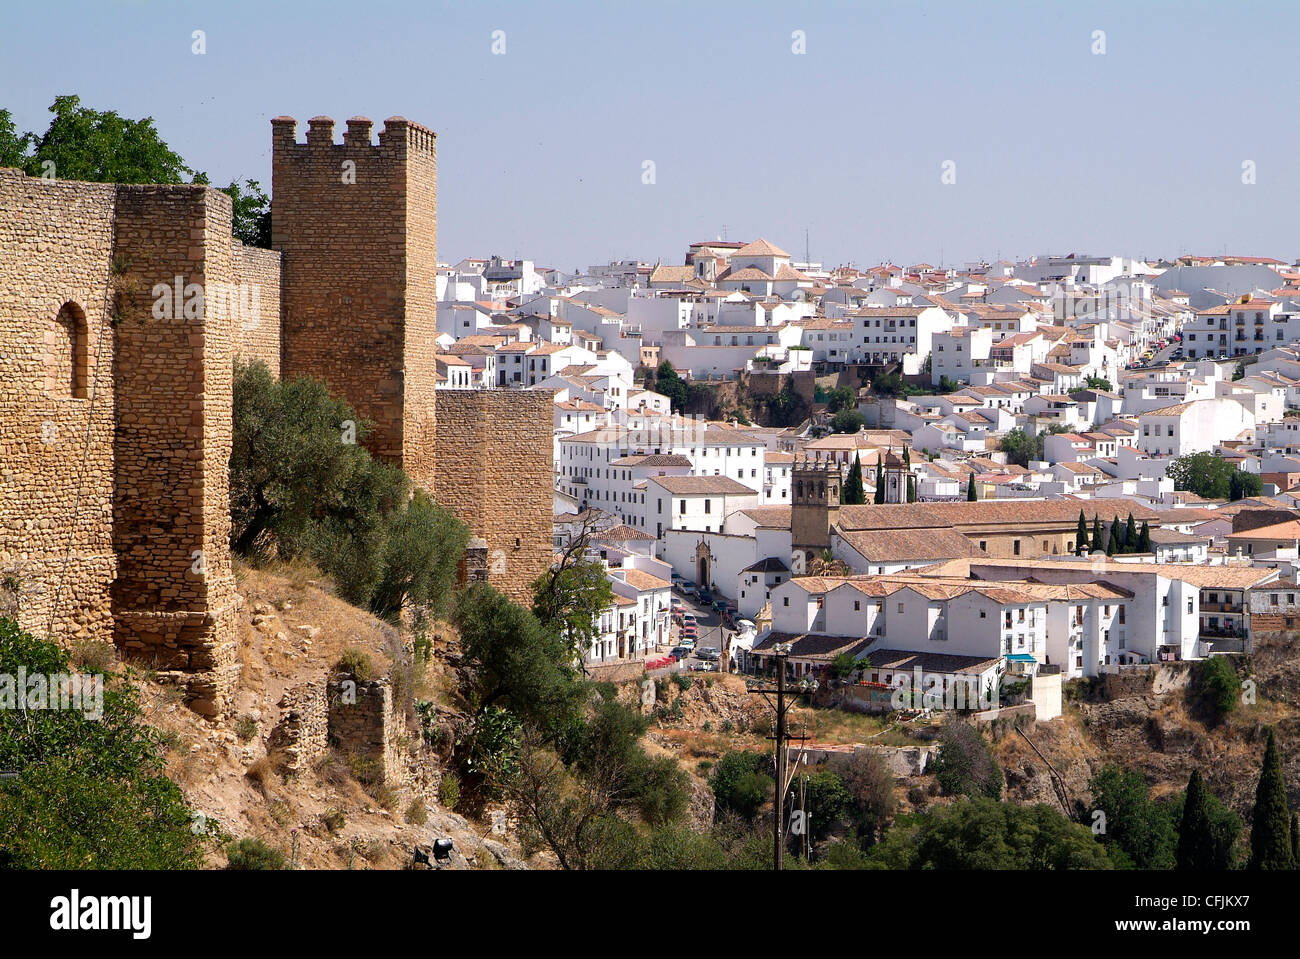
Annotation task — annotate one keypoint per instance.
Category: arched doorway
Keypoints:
(703, 564)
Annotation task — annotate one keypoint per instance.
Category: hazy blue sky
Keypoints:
(540, 150)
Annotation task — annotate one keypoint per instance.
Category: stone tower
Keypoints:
(815, 504)
(357, 225)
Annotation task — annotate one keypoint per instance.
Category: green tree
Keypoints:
(1209, 475)
(668, 383)
(1115, 542)
(971, 495)
(964, 764)
(103, 147)
(1207, 830)
(870, 783)
(880, 481)
(1097, 383)
(981, 833)
(1215, 686)
(1081, 536)
(571, 596)
(13, 145)
(827, 803)
(516, 662)
(423, 544)
(1270, 830)
(251, 217)
(853, 492)
(90, 792)
(1242, 485)
(1021, 448)
(841, 398)
(1098, 542)
(1130, 535)
(1142, 830)
(1144, 538)
(847, 421)
(741, 784)
(300, 484)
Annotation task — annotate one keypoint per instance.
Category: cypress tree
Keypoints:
(853, 493)
(1130, 535)
(1270, 829)
(1195, 834)
(1144, 538)
(880, 480)
(1116, 543)
(911, 488)
(1081, 536)
(971, 497)
(1097, 544)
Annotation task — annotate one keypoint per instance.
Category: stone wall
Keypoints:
(302, 734)
(364, 725)
(257, 327)
(174, 599)
(358, 311)
(56, 453)
(495, 471)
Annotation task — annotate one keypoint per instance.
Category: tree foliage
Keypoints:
(847, 421)
(1209, 475)
(981, 833)
(741, 783)
(964, 764)
(1207, 830)
(1141, 830)
(90, 792)
(1215, 686)
(571, 595)
(1270, 830)
(101, 146)
(300, 485)
(853, 492)
(516, 662)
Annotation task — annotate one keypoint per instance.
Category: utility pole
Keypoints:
(780, 653)
(778, 800)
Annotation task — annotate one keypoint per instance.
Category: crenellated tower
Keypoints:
(357, 224)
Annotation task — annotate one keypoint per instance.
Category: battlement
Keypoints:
(399, 137)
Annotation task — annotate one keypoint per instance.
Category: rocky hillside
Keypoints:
(294, 631)
(1149, 724)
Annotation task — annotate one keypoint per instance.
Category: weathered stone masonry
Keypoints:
(348, 296)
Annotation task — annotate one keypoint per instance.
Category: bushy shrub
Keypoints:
(251, 853)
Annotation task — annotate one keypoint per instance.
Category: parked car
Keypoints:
(709, 653)
(705, 596)
(703, 667)
(679, 652)
(686, 642)
(677, 581)
(689, 590)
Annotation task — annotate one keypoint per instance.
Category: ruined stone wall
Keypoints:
(364, 725)
(495, 469)
(302, 734)
(174, 599)
(55, 249)
(257, 327)
(356, 223)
